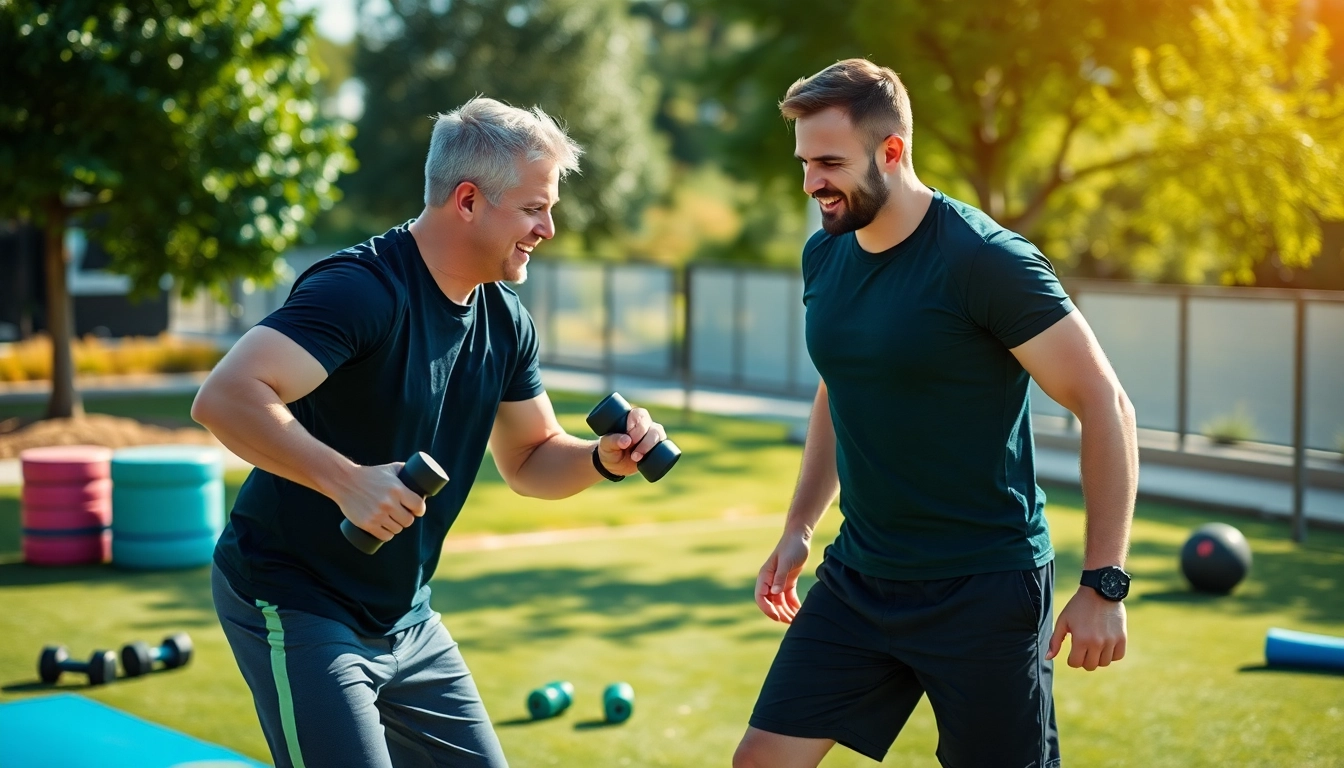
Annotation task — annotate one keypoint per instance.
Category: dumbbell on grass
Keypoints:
(610, 417)
(550, 699)
(422, 475)
(101, 666)
(618, 702)
(138, 658)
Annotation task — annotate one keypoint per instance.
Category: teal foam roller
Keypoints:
(550, 699)
(167, 506)
(1289, 648)
(618, 702)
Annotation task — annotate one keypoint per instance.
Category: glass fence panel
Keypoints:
(1325, 376)
(1139, 336)
(578, 314)
(767, 302)
(642, 316)
(1241, 368)
(712, 325)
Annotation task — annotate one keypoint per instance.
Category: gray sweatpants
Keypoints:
(328, 697)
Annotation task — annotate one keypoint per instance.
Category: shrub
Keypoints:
(30, 360)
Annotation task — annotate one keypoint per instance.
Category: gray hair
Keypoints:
(482, 142)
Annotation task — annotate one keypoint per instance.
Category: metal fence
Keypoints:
(1270, 361)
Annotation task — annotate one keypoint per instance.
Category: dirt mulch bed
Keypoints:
(93, 429)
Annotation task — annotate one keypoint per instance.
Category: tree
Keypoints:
(1049, 116)
(187, 127)
(580, 60)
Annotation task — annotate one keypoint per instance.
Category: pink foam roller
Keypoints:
(67, 550)
(94, 515)
(67, 495)
(60, 464)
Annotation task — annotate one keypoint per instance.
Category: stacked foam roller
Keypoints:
(67, 504)
(167, 505)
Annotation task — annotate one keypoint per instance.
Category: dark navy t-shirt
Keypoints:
(932, 424)
(408, 370)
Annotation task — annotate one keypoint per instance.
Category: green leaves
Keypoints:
(1153, 138)
(187, 129)
(580, 60)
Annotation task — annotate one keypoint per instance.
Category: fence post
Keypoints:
(1182, 367)
(1299, 420)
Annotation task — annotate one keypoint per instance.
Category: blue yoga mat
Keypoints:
(1289, 648)
(74, 732)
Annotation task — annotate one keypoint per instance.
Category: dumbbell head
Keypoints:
(49, 663)
(422, 474)
(609, 416)
(101, 668)
(177, 650)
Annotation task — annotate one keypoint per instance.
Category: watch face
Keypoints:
(1112, 584)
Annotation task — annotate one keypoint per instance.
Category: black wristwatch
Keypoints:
(603, 471)
(1110, 582)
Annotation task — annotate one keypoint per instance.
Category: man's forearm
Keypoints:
(1110, 475)
(559, 467)
(250, 419)
(818, 479)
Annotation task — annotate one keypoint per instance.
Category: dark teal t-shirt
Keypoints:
(932, 424)
(408, 370)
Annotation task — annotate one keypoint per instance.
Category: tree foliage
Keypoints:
(1172, 139)
(189, 126)
(185, 128)
(580, 60)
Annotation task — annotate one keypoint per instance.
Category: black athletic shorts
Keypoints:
(862, 650)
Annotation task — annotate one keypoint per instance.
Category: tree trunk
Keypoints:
(65, 401)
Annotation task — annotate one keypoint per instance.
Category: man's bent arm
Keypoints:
(243, 403)
(1068, 364)
(537, 458)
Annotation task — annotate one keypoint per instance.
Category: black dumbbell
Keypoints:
(422, 475)
(101, 666)
(137, 658)
(610, 417)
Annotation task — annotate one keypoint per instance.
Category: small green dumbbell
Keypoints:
(550, 699)
(618, 702)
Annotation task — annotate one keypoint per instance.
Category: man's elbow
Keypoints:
(206, 406)
(1106, 402)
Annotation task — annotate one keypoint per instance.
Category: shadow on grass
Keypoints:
(593, 725)
(1262, 668)
(517, 721)
(628, 610)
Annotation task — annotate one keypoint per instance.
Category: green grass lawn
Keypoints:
(671, 613)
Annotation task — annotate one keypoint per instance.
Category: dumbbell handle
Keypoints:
(422, 475)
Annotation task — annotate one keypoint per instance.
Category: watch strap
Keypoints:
(603, 471)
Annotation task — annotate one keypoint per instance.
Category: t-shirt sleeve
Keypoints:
(526, 381)
(1012, 290)
(340, 310)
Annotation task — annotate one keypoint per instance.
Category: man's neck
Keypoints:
(899, 218)
(435, 240)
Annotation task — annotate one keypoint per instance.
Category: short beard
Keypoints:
(861, 206)
(522, 274)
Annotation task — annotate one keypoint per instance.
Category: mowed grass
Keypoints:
(670, 612)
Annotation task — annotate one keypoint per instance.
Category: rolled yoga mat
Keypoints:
(1289, 648)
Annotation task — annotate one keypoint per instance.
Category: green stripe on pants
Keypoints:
(275, 635)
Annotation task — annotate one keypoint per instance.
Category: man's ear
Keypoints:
(466, 198)
(890, 152)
